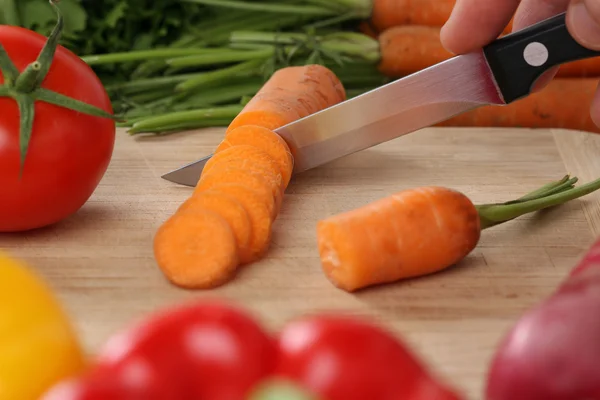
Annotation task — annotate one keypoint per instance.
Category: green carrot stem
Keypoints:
(150, 83)
(557, 187)
(264, 7)
(219, 58)
(188, 116)
(222, 95)
(543, 189)
(493, 214)
(142, 55)
(174, 128)
(220, 75)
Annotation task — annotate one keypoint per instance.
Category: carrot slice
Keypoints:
(266, 140)
(266, 188)
(230, 209)
(196, 251)
(291, 93)
(258, 212)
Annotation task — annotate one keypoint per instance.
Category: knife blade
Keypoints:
(499, 74)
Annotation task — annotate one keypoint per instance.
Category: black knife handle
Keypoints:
(517, 60)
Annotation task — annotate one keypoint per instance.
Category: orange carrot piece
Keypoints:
(587, 68)
(261, 183)
(266, 140)
(291, 93)
(259, 214)
(408, 49)
(196, 252)
(408, 234)
(563, 103)
(389, 13)
(228, 208)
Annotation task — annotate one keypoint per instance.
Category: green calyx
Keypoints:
(280, 390)
(549, 195)
(25, 87)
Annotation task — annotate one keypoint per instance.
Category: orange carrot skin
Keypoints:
(366, 28)
(408, 49)
(587, 68)
(291, 93)
(411, 233)
(562, 104)
(389, 13)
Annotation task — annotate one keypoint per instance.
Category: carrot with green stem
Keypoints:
(419, 231)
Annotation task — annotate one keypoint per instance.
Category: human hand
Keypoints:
(487, 19)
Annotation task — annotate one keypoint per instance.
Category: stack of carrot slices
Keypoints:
(227, 222)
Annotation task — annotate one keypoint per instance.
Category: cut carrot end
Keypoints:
(412, 233)
(196, 252)
(266, 140)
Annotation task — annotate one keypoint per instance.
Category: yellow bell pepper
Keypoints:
(38, 345)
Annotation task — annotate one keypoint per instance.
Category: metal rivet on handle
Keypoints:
(535, 54)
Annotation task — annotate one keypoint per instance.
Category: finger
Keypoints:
(583, 21)
(531, 11)
(475, 23)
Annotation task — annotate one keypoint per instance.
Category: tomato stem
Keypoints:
(25, 87)
(26, 82)
(8, 68)
(27, 111)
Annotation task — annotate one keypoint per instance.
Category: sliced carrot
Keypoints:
(266, 140)
(268, 190)
(228, 208)
(291, 93)
(197, 252)
(259, 214)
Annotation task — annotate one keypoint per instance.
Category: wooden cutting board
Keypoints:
(100, 260)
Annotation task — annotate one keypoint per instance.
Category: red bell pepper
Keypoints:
(214, 351)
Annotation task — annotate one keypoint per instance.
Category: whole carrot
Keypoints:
(419, 231)
(408, 49)
(564, 104)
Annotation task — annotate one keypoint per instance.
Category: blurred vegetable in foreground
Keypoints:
(38, 345)
(213, 350)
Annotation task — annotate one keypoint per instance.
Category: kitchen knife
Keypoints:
(500, 73)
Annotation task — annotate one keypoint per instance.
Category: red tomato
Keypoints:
(69, 152)
(206, 351)
(137, 382)
(340, 358)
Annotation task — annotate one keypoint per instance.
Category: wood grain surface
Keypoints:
(101, 265)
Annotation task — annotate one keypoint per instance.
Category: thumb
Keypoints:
(583, 21)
